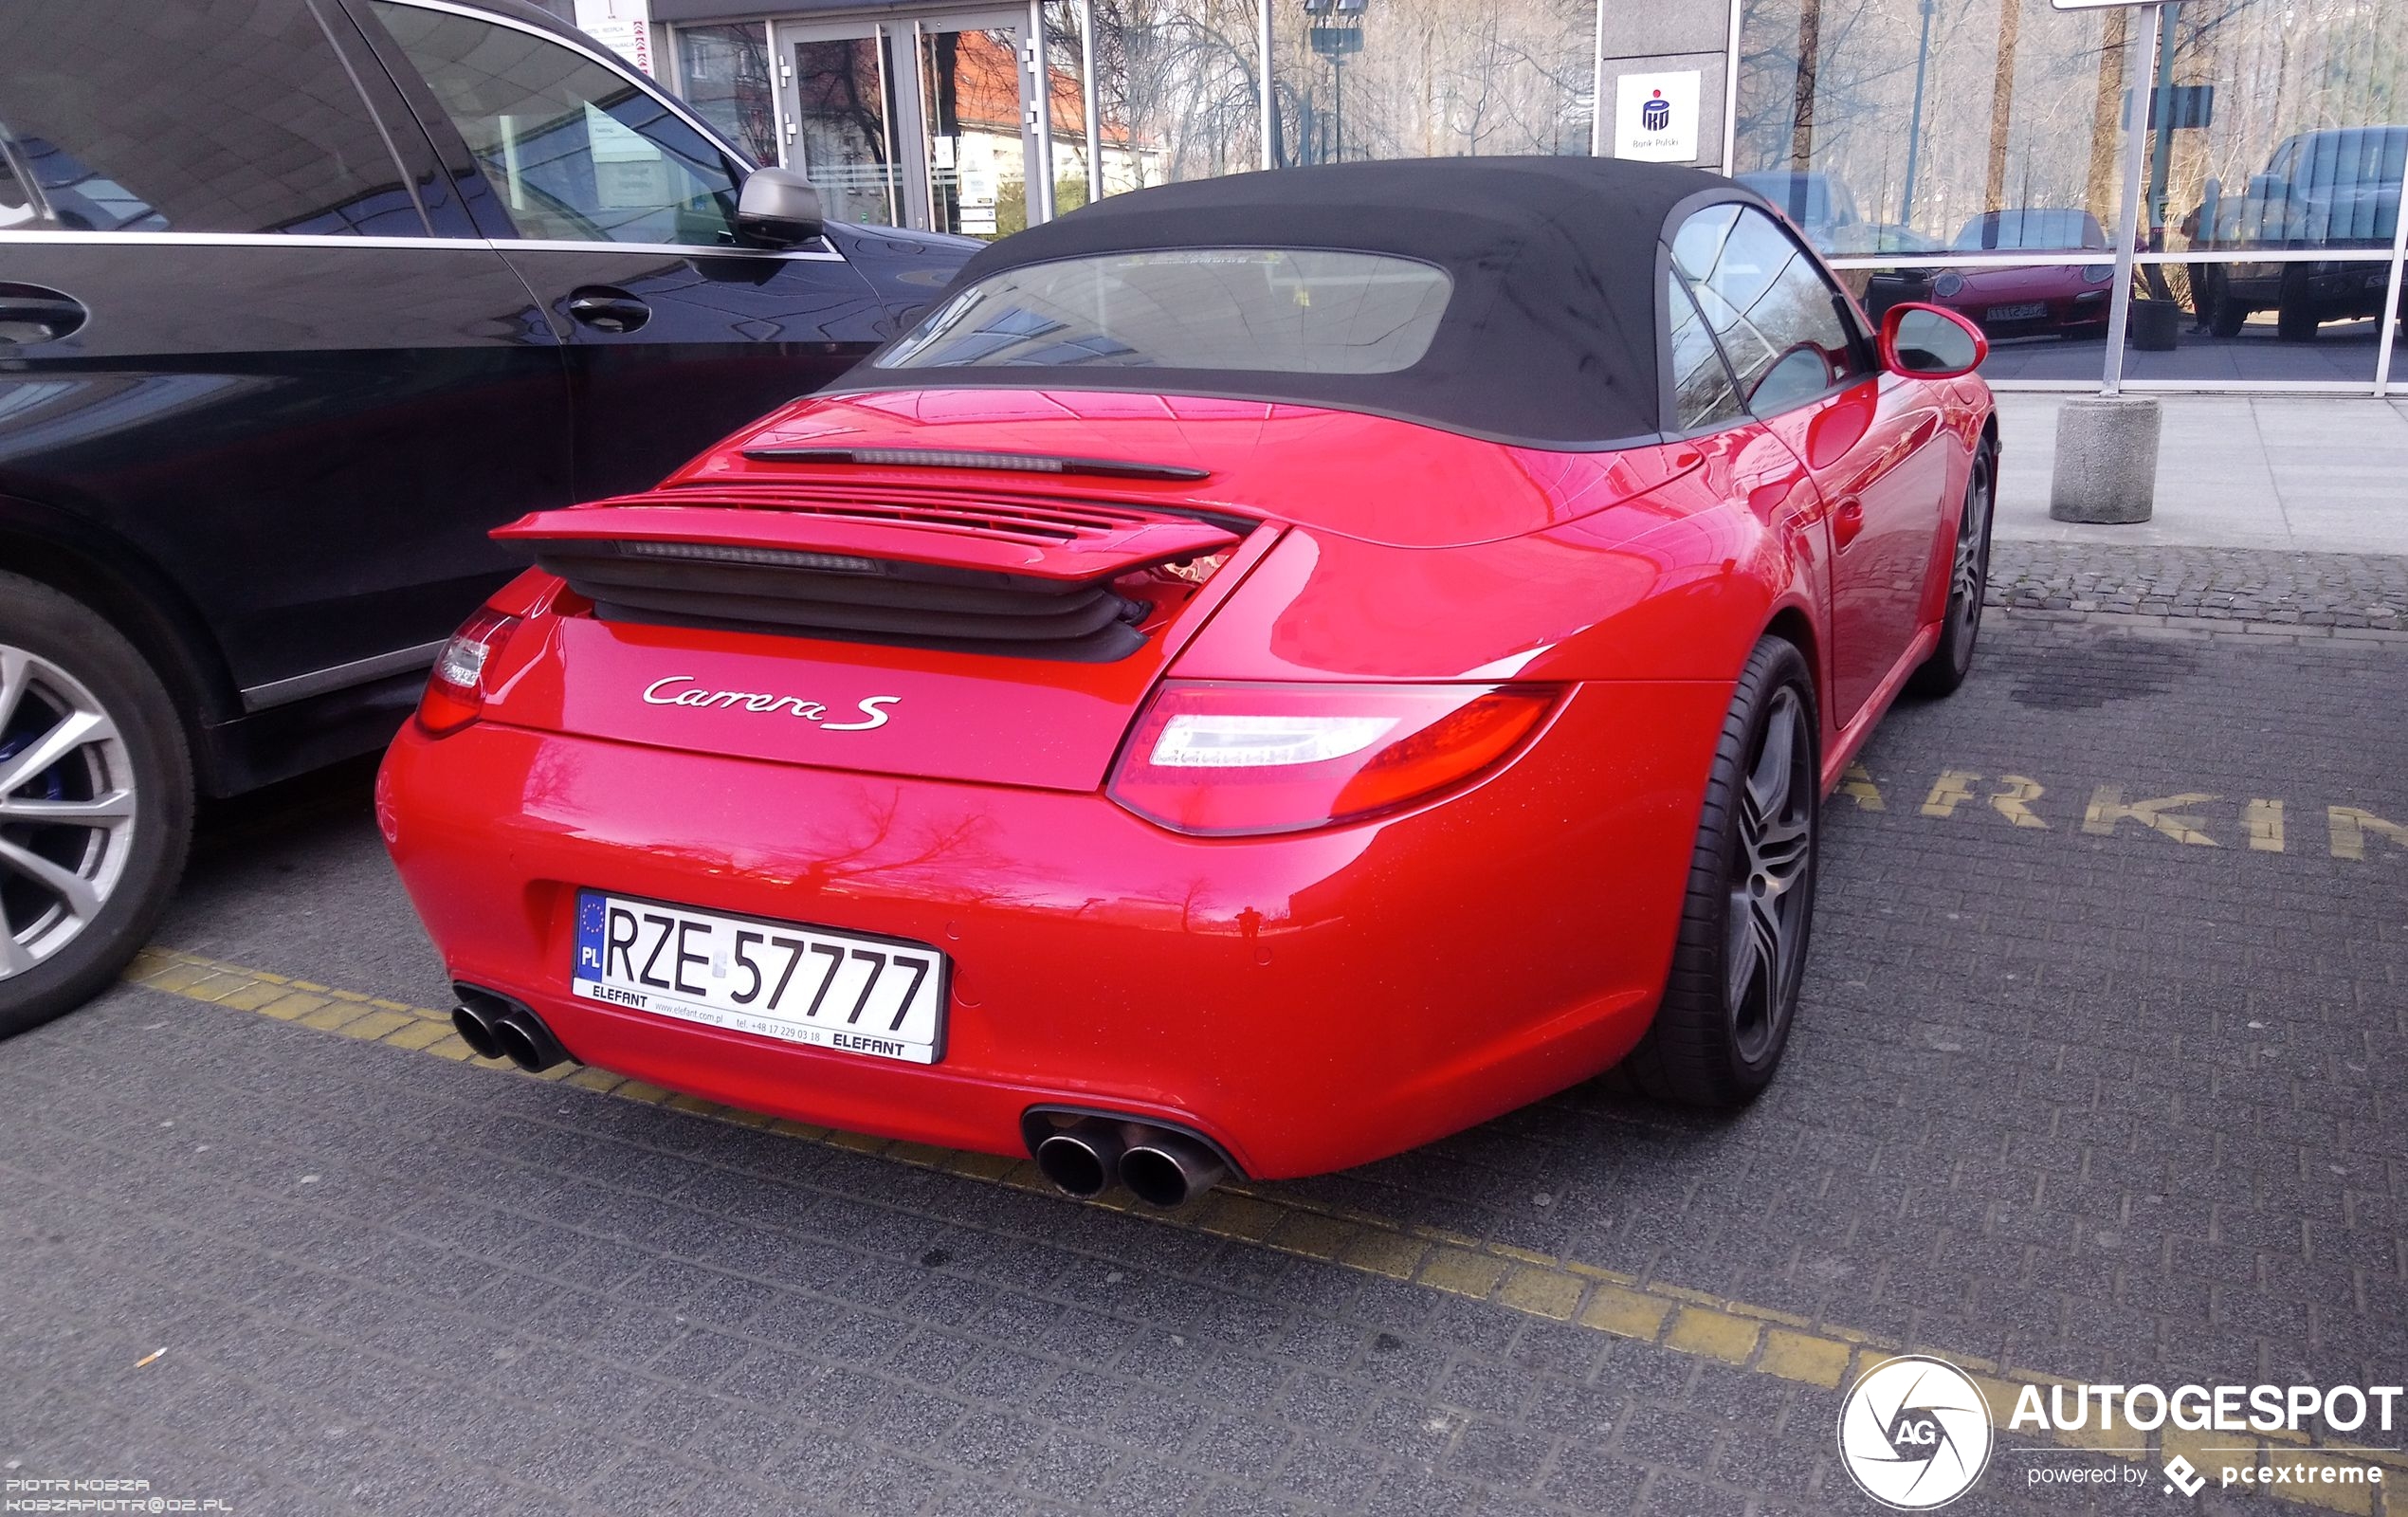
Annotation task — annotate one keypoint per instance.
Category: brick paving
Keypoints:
(2102, 1104)
(2210, 584)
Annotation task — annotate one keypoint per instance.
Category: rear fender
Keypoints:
(1673, 584)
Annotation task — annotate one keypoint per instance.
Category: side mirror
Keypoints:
(1931, 343)
(776, 209)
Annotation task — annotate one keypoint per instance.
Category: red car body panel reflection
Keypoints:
(2007, 302)
(1308, 1000)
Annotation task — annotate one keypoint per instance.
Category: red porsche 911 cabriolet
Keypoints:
(1271, 672)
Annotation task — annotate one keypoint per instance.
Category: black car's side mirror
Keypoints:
(776, 209)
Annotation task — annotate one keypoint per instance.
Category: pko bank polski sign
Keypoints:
(1916, 1433)
(1656, 116)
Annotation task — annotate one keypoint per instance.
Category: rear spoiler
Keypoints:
(857, 528)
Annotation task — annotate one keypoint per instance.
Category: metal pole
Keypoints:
(2127, 221)
(898, 213)
(1087, 91)
(781, 124)
(2391, 294)
(2161, 160)
(1914, 120)
(1730, 91)
(1040, 196)
(1262, 80)
(1597, 107)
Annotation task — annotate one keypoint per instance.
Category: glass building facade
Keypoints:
(2233, 167)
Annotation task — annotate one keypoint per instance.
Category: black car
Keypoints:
(2337, 190)
(298, 298)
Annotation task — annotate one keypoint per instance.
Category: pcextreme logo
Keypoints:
(1914, 1432)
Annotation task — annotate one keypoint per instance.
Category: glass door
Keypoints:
(912, 122)
(842, 129)
(977, 141)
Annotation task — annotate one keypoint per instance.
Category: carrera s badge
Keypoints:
(873, 708)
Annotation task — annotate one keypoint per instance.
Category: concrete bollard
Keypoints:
(2106, 460)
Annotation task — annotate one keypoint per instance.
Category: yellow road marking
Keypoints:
(2014, 801)
(1755, 1339)
(1858, 786)
(2108, 807)
(1953, 789)
(2350, 827)
(2264, 819)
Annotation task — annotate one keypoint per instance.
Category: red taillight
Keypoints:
(1234, 758)
(456, 690)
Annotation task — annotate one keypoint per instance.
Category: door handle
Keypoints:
(608, 310)
(1848, 522)
(29, 313)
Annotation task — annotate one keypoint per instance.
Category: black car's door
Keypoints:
(243, 352)
(619, 213)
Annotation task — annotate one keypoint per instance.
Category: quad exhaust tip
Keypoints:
(1084, 1155)
(496, 1027)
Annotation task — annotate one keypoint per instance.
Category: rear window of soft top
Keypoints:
(1236, 309)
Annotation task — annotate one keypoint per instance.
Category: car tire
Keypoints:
(1968, 581)
(1725, 1019)
(93, 842)
(2296, 318)
(2222, 316)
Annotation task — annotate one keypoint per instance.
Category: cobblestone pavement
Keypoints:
(2335, 590)
(2099, 1076)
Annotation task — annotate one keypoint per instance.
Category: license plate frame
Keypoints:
(2020, 311)
(773, 1015)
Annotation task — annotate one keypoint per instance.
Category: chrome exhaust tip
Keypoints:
(1167, 1169)
(1080, 1160)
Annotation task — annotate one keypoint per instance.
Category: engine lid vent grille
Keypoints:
(1028, 579)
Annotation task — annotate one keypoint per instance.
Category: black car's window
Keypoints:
(1774, 312)
(1237, 309)
(137, 115)
(577, 152)
(1701, 392)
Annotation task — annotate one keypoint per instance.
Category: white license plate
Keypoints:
(879, 997)
(2017, 313)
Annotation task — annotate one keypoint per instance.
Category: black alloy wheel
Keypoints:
(1768, 873)
(1968, 582)
(1748, 915)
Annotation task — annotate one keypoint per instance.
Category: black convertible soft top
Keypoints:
(1550, 337)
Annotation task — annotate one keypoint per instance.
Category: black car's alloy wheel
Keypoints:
(95, 802)
(1732, 995)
